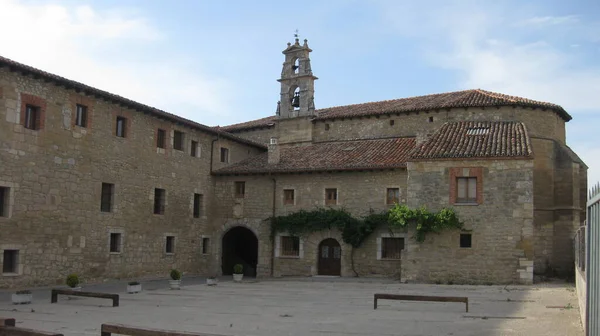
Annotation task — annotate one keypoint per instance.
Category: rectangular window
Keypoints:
(106, 199)
(288, 196)
(161, 138)
(81, 115)
(391, 248)
(205, 245)
(4, 204)
(115, 242)
(224, 155)
(121, 130)
(178, 140)
(331, 196)
(194, 149)
(465, 240)
(466, 190)
(10, 261)
(290, 246)
(393, 196)
(170, 245)
(198, 205)
(159, 201)
(32, 117)
(240, 189)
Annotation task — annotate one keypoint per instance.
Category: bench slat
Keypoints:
(401, 297)
(13, 331)
(56, 292)
(107, 329)
(7, 322)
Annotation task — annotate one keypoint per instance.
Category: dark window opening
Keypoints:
(224, 155)
(393, 196)
(240, 189)
(161, 138)
(159, 201)
(430, 119)
(10, 261)
(330, 196)
(288, 196)
(4, 197)
(106, 199)
(170, 244)
(194, 149)
(392, 122)
(466, 190)
(115, 242)
(178, 140)
(81, 115)
(32, 117)
(327, 127)
(198, 205)
(121, 130)
(465, 240)
(205, 245)
(391, 248)
(290, 246)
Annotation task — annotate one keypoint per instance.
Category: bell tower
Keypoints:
(297, 82)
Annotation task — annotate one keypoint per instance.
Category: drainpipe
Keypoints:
(272, 236)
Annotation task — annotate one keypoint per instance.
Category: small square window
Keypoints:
(391, 247)
(4, 201)
(106, 198)
(240, 189)
(115, 242)
(327, 127)
(178, 140)
(194, 149)
(288, 196)
(466, 190)
(205, 245)
(198, 205)
(430, 119)
(161, 138)
(121, 130)
(393, 196)
(10, 261)
(170, 245)
(465, 240)
(290, 246)
(392, 122)
(224, 155)
(331, 196)
(32, 117)
(81, 115)
(159, 201)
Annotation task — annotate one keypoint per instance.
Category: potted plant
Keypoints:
(238, 272)
(134, 287)
(175, 281)
(212, 280)
(22, 297)
(73, 282)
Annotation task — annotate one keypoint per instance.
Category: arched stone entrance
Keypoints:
(239, 246)
(330, 257)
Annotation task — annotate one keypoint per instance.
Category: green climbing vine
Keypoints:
(401, 216)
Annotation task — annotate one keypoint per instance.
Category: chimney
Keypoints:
(273, 155)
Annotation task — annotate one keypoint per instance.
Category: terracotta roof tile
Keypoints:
(471, 139)
(329, 156)
(457, 99)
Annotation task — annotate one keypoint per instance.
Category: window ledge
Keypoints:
(466, 204)
(115, 253)
(289, 257)
(11, 274)
(169, 254)
(390, 259)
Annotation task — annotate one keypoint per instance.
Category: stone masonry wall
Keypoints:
(501, 225)
(55, 176)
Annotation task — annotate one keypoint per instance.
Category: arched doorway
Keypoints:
(330, 257)
(239, 246)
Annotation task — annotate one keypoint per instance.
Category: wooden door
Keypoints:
(330, 257)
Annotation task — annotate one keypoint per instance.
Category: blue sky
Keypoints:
(216, 62)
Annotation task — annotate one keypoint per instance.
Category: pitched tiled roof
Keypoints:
(330, 156)
(467, 98)
(471, 139)
(79, 87)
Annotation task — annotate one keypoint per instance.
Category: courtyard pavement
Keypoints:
(308, 306)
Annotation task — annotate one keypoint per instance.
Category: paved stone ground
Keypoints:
(309, 306)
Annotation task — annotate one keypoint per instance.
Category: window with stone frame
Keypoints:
(121, 127)
(178, 139)
(170, 244)
(159, 201)
(161, 138)
(224, 155)
(194, 152)
(466, 240)
(106, 197)
(290, 246)
(240, 189)
(4, 201)
(391, 247)
(466, 190)
(10, 261)
(198, 205)
(331, 196)
(392, 196)
(288, 196)
(205, 245)
(115, 242)
(81, 115)
(32, 117)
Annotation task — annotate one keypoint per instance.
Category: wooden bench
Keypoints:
(7, 328)
(113, 297)
(420, 298)
(109, 329)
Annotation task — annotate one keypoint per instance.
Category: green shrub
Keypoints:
(72, 280)
(175, 274)
(238, 269)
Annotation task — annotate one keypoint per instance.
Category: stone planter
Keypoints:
(238, 277)
(21, 298)
(132, 289)
(175, 284)
(211, 281)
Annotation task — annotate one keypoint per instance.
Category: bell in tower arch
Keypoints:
(296, 100)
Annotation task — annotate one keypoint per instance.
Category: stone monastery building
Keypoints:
(99, 185)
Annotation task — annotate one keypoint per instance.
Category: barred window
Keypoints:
(290, 246)
(391, 247)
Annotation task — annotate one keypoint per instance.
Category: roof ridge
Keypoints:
(499, 95)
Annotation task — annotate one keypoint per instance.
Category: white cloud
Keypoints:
(112, 50)
(549, 20)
